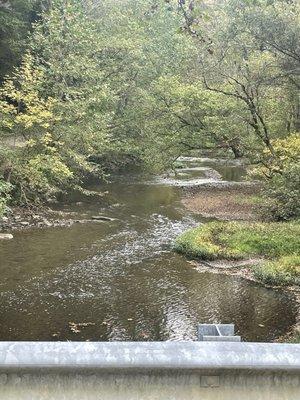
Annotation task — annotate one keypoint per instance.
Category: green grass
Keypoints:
(284, 271)
(278, 243)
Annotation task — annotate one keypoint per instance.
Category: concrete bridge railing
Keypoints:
(149, 370)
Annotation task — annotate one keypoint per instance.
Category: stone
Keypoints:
(102, 218)
(24, 223)
(46, 222)
(6, 236)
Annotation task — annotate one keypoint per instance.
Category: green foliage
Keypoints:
(16, 17)
(38, 167)
(146, 81)
(281, 172)
(86, 90)
(4, 196)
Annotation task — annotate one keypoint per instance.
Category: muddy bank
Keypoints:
(243, 269)
(224, 201)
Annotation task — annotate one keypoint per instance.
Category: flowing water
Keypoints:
(120, 280)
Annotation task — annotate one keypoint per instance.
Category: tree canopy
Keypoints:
(86, 83)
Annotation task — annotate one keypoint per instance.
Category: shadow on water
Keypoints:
(121, 280)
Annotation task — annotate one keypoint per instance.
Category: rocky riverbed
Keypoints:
(26, 218)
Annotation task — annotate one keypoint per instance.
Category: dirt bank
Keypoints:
(224, 201)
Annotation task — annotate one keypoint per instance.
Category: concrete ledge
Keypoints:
(150, 355)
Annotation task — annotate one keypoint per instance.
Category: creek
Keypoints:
(120, 279)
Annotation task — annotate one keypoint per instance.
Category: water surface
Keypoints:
(120, 280)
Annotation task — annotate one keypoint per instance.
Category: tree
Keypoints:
(16, 19)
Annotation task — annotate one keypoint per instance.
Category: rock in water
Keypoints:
(6, 236)
(102, 218)
(24, 223)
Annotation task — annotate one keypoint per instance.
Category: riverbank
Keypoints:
(267, 253)
(20, 219)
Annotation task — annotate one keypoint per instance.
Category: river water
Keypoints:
(120, 280)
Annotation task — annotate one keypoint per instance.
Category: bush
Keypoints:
(283, 192)
(4, 196)
(281, 173)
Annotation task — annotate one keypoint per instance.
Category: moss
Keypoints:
(279, 243)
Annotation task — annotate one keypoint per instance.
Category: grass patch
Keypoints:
(284, 271)
(279, 243)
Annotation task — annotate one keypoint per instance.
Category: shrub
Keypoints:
(4, 196)
(281, 173)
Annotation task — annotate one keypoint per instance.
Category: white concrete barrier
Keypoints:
(149, 370)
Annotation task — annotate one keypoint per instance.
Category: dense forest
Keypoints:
(88, 86)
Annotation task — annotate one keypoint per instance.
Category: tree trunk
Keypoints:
(237, 152)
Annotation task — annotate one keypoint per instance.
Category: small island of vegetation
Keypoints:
(273, 249)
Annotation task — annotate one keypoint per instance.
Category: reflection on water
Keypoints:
(123, 278)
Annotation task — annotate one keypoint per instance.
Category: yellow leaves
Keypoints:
(22, 107)
(30, 143)
(51, 166)
(288, 149)
(47, 139)
(287, 155)
(46, 144)
(35, 115)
